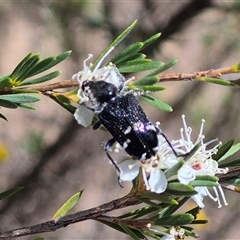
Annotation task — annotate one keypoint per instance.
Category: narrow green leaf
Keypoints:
(152, 88)
(28, 106)
(115, 42)
(24, 90)
(129, 231)
(59, 58)
(135, 57)
(167, 211)
(150, 40)
(162, 68)
(26, 68)
(64, 102)
(179, 189)
(146, 81)
(203, 183)
(138, 66)
(174, 220)
(207, 178)
(222, 150)
(44, 78)
(194, 211)
(215, 80)
(20, 98)
(67, 206)
(18, 68)
(234, 148)
(157, 103)
(7, 104)
(3, 117)
(5, 82)
(235, 182)
(139, 212)
(160, 198)
(40, 65)
(232, 163)
(38, 238)
(174, 169)
(126, 53)
(9, 193)
(150, 203)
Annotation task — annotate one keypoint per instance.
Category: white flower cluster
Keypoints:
(109, 73)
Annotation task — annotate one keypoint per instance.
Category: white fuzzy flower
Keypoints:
(153, 176)
(108, 73)
(200, 163)
(174, 232)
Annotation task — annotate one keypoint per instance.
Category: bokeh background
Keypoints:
(52, 157)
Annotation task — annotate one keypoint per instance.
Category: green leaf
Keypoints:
(201, 183)
(44, 78)
(173, 208)
(235, 182)
(222, 150)
(5, 82)
(28, 106)
(27, 68)
(157, 103)
(150, 203)
(115, 42)
(234, 148)
(150, 40)
(152, 88)
(64, 102)
(207, 178)
(174, 220)
(19, 98)
(162, 68)
(231, 163)
(130, 231)
(126, 53)
(67, 206)
(179, 189)
(160, 198)
(59, 58)
(138, 65)
(9, 193)
(174, 169)
(215, 80)
(18, 68)
(146, 81)
(7, 104)
(3, 117)
(38, 238)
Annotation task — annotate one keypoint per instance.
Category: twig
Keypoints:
(167, 77)
(93, 213)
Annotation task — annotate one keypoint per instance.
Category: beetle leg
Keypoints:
(170, 145)
(107, 147)
(96, 125)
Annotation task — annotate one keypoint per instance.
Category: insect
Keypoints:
(122, 115)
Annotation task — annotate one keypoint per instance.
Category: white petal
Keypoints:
(168, 237)
(84, 116)
(157, 181)
(186, 174)
(129, 170)
(198, 198)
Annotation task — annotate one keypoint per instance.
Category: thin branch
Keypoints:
(167, 77)
(53, 225)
